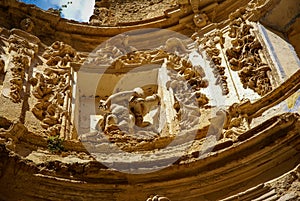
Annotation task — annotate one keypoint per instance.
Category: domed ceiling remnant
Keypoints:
(113, 12)
(151, 100)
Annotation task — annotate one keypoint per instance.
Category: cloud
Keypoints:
(79, 10)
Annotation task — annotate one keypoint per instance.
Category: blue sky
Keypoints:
(79, 10)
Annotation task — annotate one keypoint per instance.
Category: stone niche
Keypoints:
(93, 87)
(141, 98)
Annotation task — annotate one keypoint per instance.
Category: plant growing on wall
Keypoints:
(55, 144)
(64, 6)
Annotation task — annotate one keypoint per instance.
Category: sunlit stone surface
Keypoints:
(151, 100)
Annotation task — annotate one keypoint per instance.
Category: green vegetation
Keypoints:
(64, 6)
(55, 144)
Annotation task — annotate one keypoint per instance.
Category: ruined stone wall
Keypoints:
(248, 148)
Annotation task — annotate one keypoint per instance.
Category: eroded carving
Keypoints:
(209, 44)
(27, 24)
(111, 53)
(245, 56)
(22, 52)
(22, 46)
(235, 123)
(60, 53)
(49, 108)
(176, 45)
(103, 16)
(52, 89)
(157, 198)
(125, 109)
(142, 106)
(187, 73)
(200, 20)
